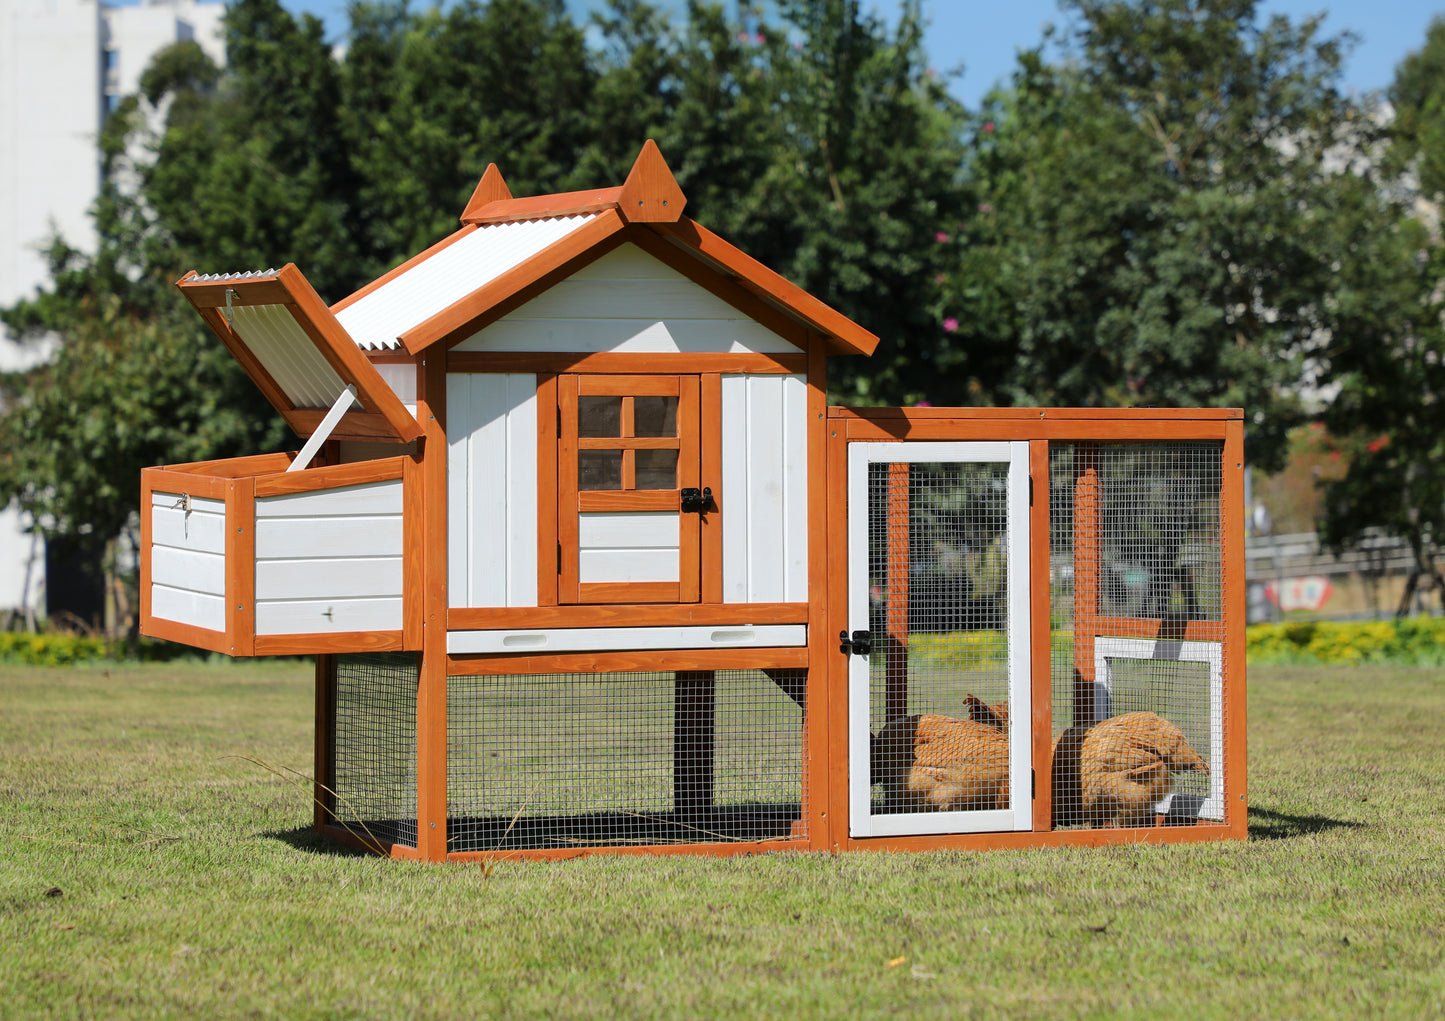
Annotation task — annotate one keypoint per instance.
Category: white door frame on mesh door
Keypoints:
(1019, 815)
(1108, 648)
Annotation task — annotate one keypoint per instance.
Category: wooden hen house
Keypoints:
(588, 564)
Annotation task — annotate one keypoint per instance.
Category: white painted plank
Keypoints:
(460, 424)
(371, 498)
(629, 529)
(199, 504)
(328, 579)
(327, 616)
(401, 377)
(766, 578)
(185, 607)
(576, 298)
(641, 334)
(795, 489)
(487, 492)
(627, 262)
(733, 500)
(625, 639)
(322, 537)
(521, 485)
(196, 530)
(188, 569)
(597, 566)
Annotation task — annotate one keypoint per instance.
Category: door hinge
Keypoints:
(559, 422)
(1033, 783)
(559, 558)
(1031, 490)
(861, 644)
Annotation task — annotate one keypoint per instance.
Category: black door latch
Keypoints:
(860, 645)
(696, 501)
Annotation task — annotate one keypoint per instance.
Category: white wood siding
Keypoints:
(636, 546)
(622, 639)
(188, 561)
(492, 489)
(330, 561)
(627, 301)
(764, 500)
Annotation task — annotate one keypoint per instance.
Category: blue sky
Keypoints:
(985, 35)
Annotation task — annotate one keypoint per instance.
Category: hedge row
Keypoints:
(26, 649)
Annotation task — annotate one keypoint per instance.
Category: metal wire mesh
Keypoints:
(597, 760)
(373, 745)
(1136, 583)
(938, 585)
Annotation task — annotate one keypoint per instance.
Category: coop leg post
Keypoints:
(898, 601)
(324, 781)
(431, 701)
(693, 739)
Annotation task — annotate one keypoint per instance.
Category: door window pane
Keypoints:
(600, 469)
(657, 469)
(599, 416)
(654, 416)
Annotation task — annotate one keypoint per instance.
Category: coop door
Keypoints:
(938, 678)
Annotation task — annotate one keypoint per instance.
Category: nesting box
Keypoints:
(588, 564)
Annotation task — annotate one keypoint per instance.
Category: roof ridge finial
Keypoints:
(651, 194)
(491, 188)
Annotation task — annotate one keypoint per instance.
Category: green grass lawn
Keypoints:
(146, 871)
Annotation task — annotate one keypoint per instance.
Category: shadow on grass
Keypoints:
(1267, 825)
(304, 838)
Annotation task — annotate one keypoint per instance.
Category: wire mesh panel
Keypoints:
(373, 745)
(598, 760)
(946, 553)
(1137, 657)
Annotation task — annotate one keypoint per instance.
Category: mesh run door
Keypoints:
(938, 609)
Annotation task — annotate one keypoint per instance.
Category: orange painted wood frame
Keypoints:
(1040, 636)
(323, 770)
(1087, 555)
(898, 599)
(625, 615)
(431, 696)
(1231, 519)
(817, 809)
(491, 665)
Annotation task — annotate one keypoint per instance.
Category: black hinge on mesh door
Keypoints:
(861, 643)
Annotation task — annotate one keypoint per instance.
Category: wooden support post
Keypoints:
(896, 638)
(1087, 561)
(322, 772)
(1231, 521)
(1040, 638)
(694, 729)
(431, 695)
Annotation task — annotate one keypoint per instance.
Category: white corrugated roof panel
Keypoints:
(286, 352)
(380, 318)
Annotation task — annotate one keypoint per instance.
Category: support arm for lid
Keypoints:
(324, 430)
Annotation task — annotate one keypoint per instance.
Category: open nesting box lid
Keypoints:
(291, 345)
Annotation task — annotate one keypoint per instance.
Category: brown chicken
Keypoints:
(929, 763)
(1115, 772)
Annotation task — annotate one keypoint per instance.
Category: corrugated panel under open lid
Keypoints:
(279, 342)
(378, 318)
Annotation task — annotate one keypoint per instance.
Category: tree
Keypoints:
(1173, 214)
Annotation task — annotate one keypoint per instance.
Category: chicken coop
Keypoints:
(588, 564)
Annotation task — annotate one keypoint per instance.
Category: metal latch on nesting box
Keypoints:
(861, 644)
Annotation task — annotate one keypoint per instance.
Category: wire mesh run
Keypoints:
(938, 601)
(373, 745)
(1136, 590)
(606, 760)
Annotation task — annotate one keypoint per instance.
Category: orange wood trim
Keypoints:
(706, 275)
(1086, 527)
(628, 442)
(241, 566)
(895, 645)
(386, 356)
(1164, 630)
(719, 850)
(234, 467)
(630, 591)
(710, 550)
(431, 702)
(628, 425)
(629, 615)
(568, 506)
(397, 271)
(316, 643)
(625, 500)
(354, 425)
(170, 480)
(338, 833)
(610, 362)
(1037, 414)
(603, 662)
(491, 188)
(147, 551)
(263, 379)
(765, 282)
(548, 413)
(464, 317)
(264, 290)
(338, 348)
(186, 634)
(1140, 430)
(538, 207)
(1054, 838)
(627, 386)
(334, 476)
(689, 475)
(816, 776)
(323, 780)
(1041, 731)
(651, 193)
(1231, 516)
(413, 532)
(836, 703)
